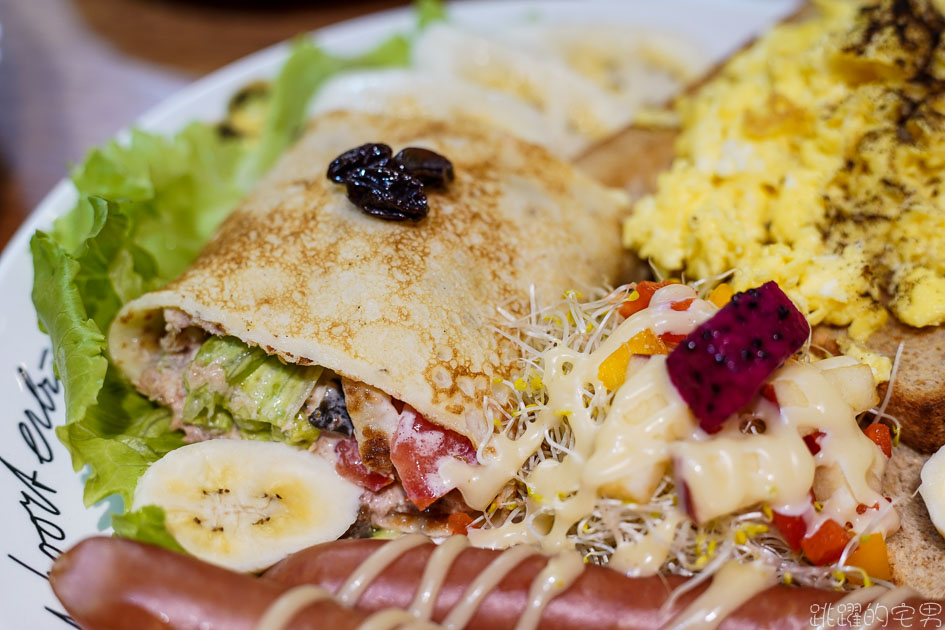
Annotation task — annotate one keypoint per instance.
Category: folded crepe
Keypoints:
(402, 309)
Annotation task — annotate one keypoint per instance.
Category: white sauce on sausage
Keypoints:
(733, 585)
(487, 580)
(351, 591)
(392, 618)
(557, 576)
(435, 573)
(289, 604)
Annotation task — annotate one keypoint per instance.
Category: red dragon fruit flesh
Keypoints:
(723, 363)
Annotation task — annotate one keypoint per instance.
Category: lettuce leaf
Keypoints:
(429, 11)
(146, 207)
(146, 525)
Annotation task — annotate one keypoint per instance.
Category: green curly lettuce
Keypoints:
(146, 525)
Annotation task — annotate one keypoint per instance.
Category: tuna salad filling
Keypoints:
(217, 386)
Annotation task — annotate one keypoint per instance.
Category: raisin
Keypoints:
(429, 167)
(364, 156)
(387, 193)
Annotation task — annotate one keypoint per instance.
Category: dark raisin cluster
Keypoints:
(387, 186)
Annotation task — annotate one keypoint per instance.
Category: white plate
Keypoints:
(40, 496)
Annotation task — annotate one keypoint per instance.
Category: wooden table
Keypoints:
(72, 72)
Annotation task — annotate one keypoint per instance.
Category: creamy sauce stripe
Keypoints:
(733, 585)
(487, 580)
(351, 591)
(557, 576)
(392, 618)
(435, 573)
(289, 604)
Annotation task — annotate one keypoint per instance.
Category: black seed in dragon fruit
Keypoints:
(723, 364)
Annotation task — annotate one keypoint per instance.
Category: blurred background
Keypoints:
(73, 72)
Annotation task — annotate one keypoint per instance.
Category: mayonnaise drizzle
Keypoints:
(733, 585)
(351, 591)
(646, 555)
(391, 618)
(557, 576)
(487, 580)
(289, 604)
(892, 598)
(437, 567)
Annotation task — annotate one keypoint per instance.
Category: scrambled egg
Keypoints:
(815, 159)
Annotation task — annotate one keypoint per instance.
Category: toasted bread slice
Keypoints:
(917, 550)
(632, 159)
(918, 390)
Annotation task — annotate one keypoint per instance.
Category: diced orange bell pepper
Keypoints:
(613, 370)
(871, 556)
(640, 297)
(721, 295)
(826, 544)
(646, 342)
(879, 433)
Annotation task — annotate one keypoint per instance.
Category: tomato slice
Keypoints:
(879, 433)
(417, 451)
(825, 546)
(644, 291)
(349, 465)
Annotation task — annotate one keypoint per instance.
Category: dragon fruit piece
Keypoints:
(722, 364)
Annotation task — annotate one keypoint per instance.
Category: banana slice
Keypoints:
(244, 504)
(933, 489)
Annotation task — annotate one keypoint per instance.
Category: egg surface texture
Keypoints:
(815, 159)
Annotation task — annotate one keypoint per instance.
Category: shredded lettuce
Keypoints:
(262, 397)
(146, 207)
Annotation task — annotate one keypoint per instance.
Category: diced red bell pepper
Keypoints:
(825, 546)
(768, 393)
(682, 305)
(671, 339)
(792, 528)
(349, 465)
(881, 436)
(812, 440)
(644, 291)
(417, 451)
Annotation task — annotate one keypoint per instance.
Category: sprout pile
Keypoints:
(581, 324)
